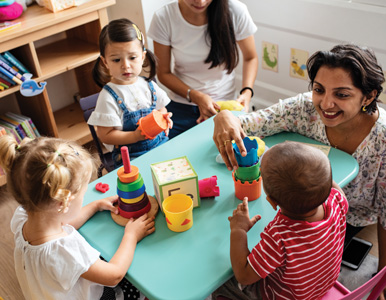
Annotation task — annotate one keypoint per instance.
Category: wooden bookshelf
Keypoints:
(69, 41)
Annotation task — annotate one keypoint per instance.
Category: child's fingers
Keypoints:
(255, 219)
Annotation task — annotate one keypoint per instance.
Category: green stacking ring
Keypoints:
(130, 187)
(248, 173)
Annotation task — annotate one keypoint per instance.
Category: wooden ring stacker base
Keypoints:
(152, 212)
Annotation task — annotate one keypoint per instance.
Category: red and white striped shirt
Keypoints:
(298, 259)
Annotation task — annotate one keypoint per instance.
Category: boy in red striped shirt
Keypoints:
(300, 251)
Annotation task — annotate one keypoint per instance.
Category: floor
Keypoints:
(9, 287)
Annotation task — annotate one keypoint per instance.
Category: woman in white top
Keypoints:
(202, 37)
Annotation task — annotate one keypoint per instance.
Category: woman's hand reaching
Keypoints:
(227, 127)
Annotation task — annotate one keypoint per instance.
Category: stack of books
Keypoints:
(19, 126)
(11, 70)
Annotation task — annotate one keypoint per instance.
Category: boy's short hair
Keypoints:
(296, 176)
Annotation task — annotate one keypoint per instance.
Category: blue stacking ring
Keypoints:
(133, 194)
(251, 158)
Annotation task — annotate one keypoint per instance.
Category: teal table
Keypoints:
(190, 265)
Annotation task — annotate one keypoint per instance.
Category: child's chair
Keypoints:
(376, 284)
(88, 105)
(339, 292)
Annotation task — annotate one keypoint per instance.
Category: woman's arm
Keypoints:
(112, 136)
(250, 64)
(205, 103)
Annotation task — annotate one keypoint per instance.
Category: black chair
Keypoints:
(88, 105)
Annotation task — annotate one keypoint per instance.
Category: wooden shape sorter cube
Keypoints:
(175, 176)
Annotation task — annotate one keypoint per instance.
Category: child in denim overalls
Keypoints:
(126, 97)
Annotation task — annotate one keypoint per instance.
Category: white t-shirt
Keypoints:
(136, 96)
(189, 48)
(52, 270)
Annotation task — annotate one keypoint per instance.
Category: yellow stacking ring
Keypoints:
(133, 200)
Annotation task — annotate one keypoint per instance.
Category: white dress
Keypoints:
(52, 270)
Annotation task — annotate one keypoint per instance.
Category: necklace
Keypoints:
(335, 145)
(135, 94)
(43, 237)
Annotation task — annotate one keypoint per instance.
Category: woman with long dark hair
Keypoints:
(196, 43)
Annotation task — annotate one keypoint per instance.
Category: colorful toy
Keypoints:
(30, 87)
(230, 105)
(175, 176)
(208, 187)
(178, 209)
(152, 124)
(133, 201)
(102, 187)
(247, 177)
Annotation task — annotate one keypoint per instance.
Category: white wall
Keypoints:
(311, 25)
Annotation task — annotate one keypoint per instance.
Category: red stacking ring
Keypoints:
(135, 214)
(132, 207)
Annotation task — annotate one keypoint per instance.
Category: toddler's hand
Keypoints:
(141, 227)
(108, 204)
(240, 218)
(244, 101)
(168, 119)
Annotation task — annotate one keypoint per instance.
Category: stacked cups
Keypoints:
(247, 177)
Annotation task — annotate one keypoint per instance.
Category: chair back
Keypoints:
(88, 106)
(375, 285)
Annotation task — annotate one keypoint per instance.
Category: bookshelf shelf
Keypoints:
(49, 44)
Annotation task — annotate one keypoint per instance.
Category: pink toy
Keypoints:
(102, 187)
(10, 12)
(208, 187)
(126, 159)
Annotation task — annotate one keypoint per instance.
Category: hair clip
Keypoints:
(48, 165)
(139, 33)
(75, 151)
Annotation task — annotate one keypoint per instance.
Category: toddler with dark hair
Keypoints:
(300, 251)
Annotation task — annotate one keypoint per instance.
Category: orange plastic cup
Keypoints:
(152, 124)
(247, 189)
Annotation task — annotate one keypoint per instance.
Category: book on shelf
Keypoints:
(10, 129)
(4, 83)
(8, 25)
(9, 68)
(17, 125)
(6, 80)
(14, 62)
(10, 75)
(26, 122)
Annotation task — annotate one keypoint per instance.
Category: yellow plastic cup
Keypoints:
(178, 209)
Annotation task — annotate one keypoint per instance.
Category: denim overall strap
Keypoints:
(118, 99)
(153, 94)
